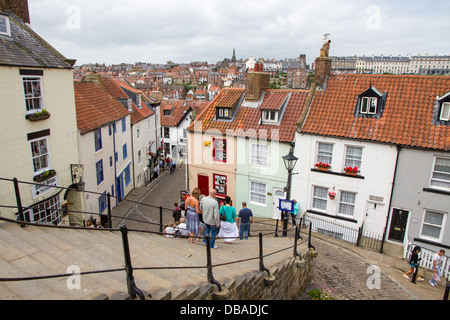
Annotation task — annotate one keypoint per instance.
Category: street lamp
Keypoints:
(289, 162)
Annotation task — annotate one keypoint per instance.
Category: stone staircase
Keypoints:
(33, 251)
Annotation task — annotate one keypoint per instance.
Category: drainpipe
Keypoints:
(399, 148)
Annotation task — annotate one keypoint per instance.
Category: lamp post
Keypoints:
(289, 162)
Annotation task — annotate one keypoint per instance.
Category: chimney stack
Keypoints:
(19, 7)
(322, 65)
(255, 83)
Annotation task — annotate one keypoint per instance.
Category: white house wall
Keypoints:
(372, 192)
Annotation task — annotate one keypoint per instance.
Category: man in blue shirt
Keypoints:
(246, 218)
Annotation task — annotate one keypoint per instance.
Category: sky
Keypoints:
(117, 31)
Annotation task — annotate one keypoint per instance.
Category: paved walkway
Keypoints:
(350, 272)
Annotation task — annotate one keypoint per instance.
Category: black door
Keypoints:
(398, 224)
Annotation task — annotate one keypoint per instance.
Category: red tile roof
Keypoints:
(247, 120)
(407, 118)
(95, 108)
(114, 85)
(180, 109)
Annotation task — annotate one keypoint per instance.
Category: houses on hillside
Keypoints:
(38, 127)
(385, 140)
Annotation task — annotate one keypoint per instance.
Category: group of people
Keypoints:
(414, 262)
(204, 216)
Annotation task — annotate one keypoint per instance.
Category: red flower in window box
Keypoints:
(322, 166)
(351, 170)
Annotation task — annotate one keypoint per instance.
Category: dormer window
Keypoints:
(269, 116)
(223, 113)
(5, 28)
(442, 110)
(370, 104)
(445, 112)
(167, 112)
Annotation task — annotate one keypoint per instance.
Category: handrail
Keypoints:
(133, 290)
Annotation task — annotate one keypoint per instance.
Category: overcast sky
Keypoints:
(116, 31)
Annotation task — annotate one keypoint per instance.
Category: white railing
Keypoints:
(427, 259)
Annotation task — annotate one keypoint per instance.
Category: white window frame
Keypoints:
(28, 97)
(348, 158)
(257, 157)
(371, 101)
(52, 206)
(325, 198)
(323, 154)
(262, 195)
(270, 116)
(353, 205)
(431, 185)
(442, 227)
(48, 158)
(445, 116)
(7, 24)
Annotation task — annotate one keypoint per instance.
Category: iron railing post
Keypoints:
(262, 268)
(21, 216)
(209, 264)
(309, 237)
(414, 276)
(131, 285)
(160, 219)
(447, 290)
(109, 211)
(295, 242)
(276, 228)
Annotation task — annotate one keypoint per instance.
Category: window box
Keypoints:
(44, 176)
(322, 166)
(351, 171)
(43, 115)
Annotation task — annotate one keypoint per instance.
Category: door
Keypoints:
(373, 221)
(398, 224)
(203, 184)
(277, 195)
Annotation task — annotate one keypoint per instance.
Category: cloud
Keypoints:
(113, 31)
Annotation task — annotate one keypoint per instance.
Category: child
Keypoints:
(169, 230)
(413, 262)
(176, 212)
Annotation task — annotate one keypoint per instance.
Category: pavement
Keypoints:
(349, 271)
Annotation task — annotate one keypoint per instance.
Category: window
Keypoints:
(258, 192)
(353, 156)
(124, 124)
(98, 139)
(432, 226)
(48, 211)
(33, 93)
(125, 151)
(347, 203)
(259, 155)
(369, 105)
(166, 133)
(445, 112)
(5, 28)
(220, 150)
(320, 198)
(127, 176)
(440, 177)
(324, 152)
(269, 116)
(223, 113)
(99, 171)
(102, 204)
(139, 157)
(110, 161)
(138, 131)
(40, 155)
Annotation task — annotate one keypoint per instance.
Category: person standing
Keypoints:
(176, 212)
(210, 213)
(295, 214)
(192, 212)
(246, 219)
(437, 261)
(413, 261)
(228, 228)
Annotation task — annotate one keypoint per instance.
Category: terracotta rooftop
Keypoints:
(247, 120)
(180, 108)
(408, 113)
(95, 108)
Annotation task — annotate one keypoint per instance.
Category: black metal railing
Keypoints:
(133, 290)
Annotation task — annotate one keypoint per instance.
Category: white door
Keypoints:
(373, 221)
(277, 195)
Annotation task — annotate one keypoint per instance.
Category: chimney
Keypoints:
(93, 77)
(19, 7)
(255, 83)
(322, 64)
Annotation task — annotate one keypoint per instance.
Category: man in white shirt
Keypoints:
(437, 261)
(210, 213)
(182, 228)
